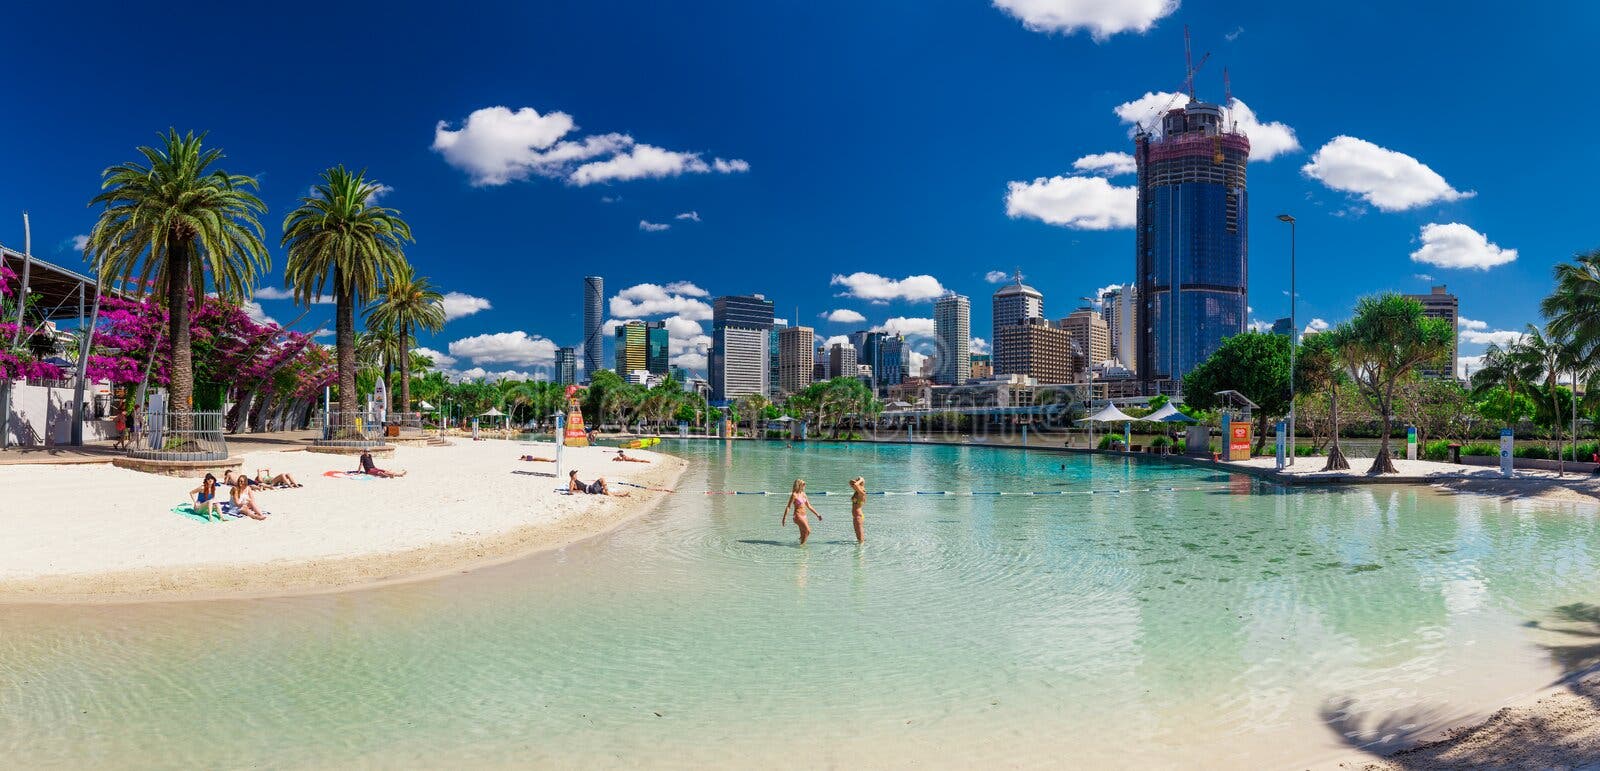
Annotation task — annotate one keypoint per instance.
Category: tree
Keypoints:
(176, 221)
(1553, 353)
(1319, 366)
(1503, 406)
(377, 348)
(339, 239)
(406, 304)
(1255, 364)
(1386, 341)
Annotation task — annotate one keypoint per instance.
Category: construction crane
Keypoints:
(1188, 82)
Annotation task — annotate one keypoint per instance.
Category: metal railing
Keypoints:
(178, 436)
(359, 427)
(408, 424)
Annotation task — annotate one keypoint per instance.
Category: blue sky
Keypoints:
(898, 139)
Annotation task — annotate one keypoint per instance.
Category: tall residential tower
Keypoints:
(740, 329)
(594, 318)
(1191, 240)
(952, 325)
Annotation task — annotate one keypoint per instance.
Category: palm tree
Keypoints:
(338, 240)
(175, 221)
(1321, 365)
(377, 347)
(1551, 354)
(406, 304)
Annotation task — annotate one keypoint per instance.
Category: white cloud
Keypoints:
(837, 340)
(441, 361)
(80, 242)
(1316, 325)
(1268, 139)
(980, 345)
(274, 293)
(517, 348)
(378, 190)
(686, 288)
(1234, 35)
(1083, 203)
(844, 316)
(1500, 337)
(652, 227)
(1389, 180)
(254, 311)
(1422, 277)
(680, 328)
(1108, 164)
(510, 374)
(656, 300)
(1101, 292)
(910, 327)
(692, 216)
(459, 304)
(996, 276)
(878, 289)
(496, 145)
(1257, 325)
(914, 363)
(1101, 18)
(1466, 323)
(322, 333)
(1457, 246)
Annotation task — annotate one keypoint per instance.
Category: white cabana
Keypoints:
(1110, 415)
(1169, 414)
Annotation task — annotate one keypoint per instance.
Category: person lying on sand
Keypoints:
(597, 487)
(537, 460)
(623, 457)
(371, 469)
(244, 499)
(204, 498)
(232, 479)
(265, 477)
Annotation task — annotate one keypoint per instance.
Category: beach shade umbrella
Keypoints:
(1108, 415)
(785, 419)
(492, 413)
(1169, 414)
(426, 407)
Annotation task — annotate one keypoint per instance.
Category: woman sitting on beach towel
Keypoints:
(597, 487)
(244, 499)
(371, 469)
(204, 498)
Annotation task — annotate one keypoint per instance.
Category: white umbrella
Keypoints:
(1108, 415)
(492, 413)
(1169, 414)
(426, 407)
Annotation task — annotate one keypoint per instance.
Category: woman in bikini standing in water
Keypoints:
(801, 504)
(858, 498)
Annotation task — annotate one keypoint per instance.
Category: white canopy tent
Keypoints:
(1169, 414)
(1110, 415)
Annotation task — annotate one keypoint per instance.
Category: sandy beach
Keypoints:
(94, 532)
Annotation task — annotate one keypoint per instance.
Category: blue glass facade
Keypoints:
(1192, 242)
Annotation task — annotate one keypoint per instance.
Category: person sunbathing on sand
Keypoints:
(371, 469)
(244, 499)
(597, 487)
(537, 460)
(623, 457)
(264, 477)
(204, 498)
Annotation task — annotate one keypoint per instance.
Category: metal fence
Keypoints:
(178, 436)
(359, 427)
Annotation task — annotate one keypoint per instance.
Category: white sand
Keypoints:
(102, 533)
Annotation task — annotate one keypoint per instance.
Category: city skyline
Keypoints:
(836, 203)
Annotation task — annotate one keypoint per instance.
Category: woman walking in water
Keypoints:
(858, 498)
(801, 504)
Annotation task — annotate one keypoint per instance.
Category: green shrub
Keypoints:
(1438, 449)
(1179, 447)
(1481, 449)
(1533, 452)
(1306, 450)
(1160, 442)
(1105, 441)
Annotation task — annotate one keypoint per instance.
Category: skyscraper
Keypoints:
(773, 390)
(1038, 349)
(1191, 240)
(842, 360)
(1440, 304)
(1089, 333)
(632, 347)
(740, 330)
(566, 365)
(796, 360)
(1120, 307)
(594, 316)
(952, 326)
(657, 346)
(1015, 303)
(884, 354)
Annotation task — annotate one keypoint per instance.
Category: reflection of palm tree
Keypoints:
(178, 221)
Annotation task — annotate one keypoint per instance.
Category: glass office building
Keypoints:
(1192, 241)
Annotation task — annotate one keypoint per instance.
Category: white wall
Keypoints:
(43, 417)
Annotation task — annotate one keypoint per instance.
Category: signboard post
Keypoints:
(1411, 442)
(561, 423)
(1281, 445)
(1507, 444)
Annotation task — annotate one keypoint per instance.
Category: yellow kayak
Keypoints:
(640, 444)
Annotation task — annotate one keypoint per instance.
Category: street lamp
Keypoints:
(1294, 333)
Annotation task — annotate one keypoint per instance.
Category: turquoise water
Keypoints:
(1225, 623)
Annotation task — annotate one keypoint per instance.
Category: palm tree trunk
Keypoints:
(180, 383)
(1336, 459)
(405, 368)
(345, 344)
(1383, 464)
